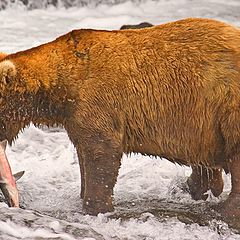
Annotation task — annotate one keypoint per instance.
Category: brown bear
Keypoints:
(171, 90)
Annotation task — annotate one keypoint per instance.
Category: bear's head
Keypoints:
(8, 130)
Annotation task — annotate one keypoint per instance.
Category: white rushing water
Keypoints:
(50, 188)
(40, 4)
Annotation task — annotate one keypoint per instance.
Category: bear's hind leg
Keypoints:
(202, 180)
(231, 207)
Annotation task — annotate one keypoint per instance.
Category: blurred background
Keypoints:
(33, 4)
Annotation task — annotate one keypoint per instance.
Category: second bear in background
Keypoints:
(137, 26)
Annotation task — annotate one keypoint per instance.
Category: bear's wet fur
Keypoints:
(171, 90)
(202, 179)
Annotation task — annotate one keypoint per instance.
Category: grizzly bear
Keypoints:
(171, 90)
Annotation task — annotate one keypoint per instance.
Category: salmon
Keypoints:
(7, 179)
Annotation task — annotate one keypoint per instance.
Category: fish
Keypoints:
(7, 179)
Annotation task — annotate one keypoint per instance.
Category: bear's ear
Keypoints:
(7, 72)
(2, 55)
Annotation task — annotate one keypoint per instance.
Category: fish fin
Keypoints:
(18, 175)
(3, 144)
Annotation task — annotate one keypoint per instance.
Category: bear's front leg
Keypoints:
(203, 179)
(101, 157)
(81, 164)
